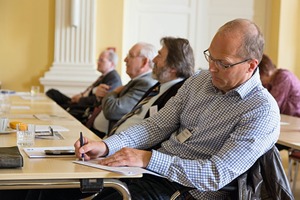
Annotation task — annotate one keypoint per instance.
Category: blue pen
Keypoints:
(81, 144)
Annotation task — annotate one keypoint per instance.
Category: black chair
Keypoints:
(266, 179)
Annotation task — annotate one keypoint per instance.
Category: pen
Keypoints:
(51, 131)
(81, 144)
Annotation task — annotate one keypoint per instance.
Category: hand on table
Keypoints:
(128, 157)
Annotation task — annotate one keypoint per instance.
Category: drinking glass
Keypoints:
(35, 90)
(25, 134)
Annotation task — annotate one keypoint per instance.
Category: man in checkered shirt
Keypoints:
(219, 123)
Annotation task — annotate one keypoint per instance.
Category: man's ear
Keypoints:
(253, 65)
(145, 61)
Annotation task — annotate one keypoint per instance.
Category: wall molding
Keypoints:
(74, 65)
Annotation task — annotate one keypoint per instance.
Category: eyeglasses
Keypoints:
(133, 56)
(102, 60)
(219, 63)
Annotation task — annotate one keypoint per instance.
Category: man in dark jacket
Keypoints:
(78, 104)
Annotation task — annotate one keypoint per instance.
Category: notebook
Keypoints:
(10, 157)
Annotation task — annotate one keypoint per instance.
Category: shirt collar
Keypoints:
(244, 89)
(167, 85)
(143, 74)
(108, 72)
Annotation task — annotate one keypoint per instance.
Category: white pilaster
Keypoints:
(74, 65)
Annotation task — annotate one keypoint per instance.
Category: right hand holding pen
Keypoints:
(90, 149)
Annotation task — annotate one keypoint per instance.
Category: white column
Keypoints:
(74, 65)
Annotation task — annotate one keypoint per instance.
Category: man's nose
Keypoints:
(212, 67)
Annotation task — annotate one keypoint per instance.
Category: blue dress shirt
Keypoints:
(229, 132)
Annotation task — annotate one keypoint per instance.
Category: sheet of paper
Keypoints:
(20, 107)
(33, 98)
(48, 136)
(46, 117)
(284, 123)
(39, 152)
(20, 116)
(45, 128)
(121, 170)
(22, 93)
(8, 92)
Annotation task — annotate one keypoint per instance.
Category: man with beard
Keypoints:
(171, 68)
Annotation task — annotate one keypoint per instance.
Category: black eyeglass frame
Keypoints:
(209, 58)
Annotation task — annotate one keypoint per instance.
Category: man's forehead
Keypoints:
(163, 49)
(103, 54)
(224, 46)
(135, 49)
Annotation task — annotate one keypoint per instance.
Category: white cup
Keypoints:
(3, 124)
(25, 134)
(35, 90)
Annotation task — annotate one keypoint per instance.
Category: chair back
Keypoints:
(266, 179)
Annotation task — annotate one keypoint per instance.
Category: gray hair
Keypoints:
(149, 51)
(112, 56)
(252, 44)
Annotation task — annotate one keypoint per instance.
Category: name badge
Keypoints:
(184, 135)
(153, 110)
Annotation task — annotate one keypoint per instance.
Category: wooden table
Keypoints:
(290, 131)
(51, 172)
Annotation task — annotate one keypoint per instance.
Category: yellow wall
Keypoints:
(272, 24)
(109, 28)
(288, 35)
(26, 42)
(284, 42)
(27, 37)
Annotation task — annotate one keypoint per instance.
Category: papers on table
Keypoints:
(46, 117)
(284, 123)
(44, 132)
(33, 97)
(49, 136)
(42, 117)
(120, 170)
(39, 152)
(8, 92)
(20, 94)
(20, 107)
(20, 116)
(45, 128)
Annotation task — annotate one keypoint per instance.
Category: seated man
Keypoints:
(214, 129)
(121, 100)
(171, 69)
(77, 105)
